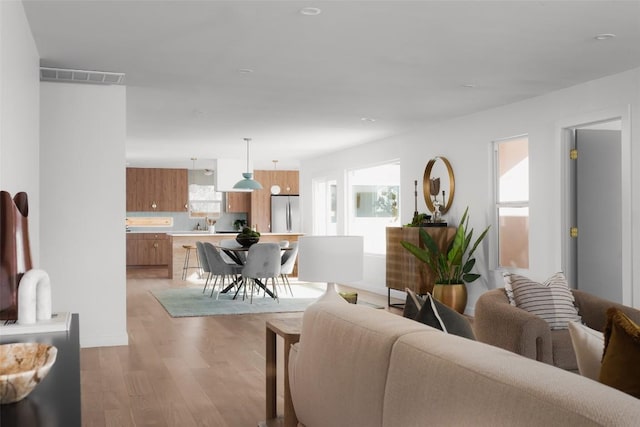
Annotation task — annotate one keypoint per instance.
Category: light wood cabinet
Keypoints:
(159, 190)
(403, 269)
(288, 180)
(148, 249)
(239, 202)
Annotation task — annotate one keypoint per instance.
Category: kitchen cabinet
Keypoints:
(159, 190)
(239, 202)
(288, 180)
(148, 249)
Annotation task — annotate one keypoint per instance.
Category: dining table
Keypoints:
(239, 254)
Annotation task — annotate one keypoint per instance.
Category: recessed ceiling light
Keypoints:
(245, 70)
(310, 11)
(605, 36)
(468, 85)
(367, 119)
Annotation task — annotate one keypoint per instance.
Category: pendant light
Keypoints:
(248, 183)
(275, 189)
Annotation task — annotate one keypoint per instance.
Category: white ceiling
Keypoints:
(402, 63)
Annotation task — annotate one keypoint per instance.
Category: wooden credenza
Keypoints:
(403, 269)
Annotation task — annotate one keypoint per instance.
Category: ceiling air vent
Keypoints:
(80, 76)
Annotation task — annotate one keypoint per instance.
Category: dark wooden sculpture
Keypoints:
(15, 252)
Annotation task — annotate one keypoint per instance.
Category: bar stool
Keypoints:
(186, 267)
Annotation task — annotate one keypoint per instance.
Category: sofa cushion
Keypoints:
(431, 312)
(444, 380)
(551, 300)
(412, 304)
(337, 374)
(588, 345)
(620, 368)
(562, 352)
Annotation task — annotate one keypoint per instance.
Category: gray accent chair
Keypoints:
(503, 325)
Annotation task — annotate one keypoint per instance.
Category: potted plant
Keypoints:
(452, 269)
(248, 237)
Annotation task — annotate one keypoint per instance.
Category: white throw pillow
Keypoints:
(551, 300)
(588, 345)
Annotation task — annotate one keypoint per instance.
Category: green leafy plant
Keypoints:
(453, 266)
(248, 232)
(239, 223)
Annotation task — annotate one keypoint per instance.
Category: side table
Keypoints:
(289, 329)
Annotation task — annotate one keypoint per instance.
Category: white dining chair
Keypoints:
(263, 263)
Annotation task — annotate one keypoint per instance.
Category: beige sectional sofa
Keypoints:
(358, 366)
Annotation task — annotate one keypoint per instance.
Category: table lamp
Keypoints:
(331, 259)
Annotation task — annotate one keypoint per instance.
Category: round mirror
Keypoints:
(438, 184)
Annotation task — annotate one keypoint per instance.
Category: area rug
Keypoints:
(191, 302)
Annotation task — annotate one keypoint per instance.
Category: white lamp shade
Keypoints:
(331, 259)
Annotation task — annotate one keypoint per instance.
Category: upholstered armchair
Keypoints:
(503, 325)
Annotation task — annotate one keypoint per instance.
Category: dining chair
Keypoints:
(220, 269)
(284, 243)
(263, 263)
(204, 265)
(287, 263)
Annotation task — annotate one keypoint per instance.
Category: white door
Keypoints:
(598, 191)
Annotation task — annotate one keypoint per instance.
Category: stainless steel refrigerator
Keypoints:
(285, 213)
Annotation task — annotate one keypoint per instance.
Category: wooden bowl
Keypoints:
(22, 367)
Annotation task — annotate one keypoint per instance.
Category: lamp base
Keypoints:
(331, 295)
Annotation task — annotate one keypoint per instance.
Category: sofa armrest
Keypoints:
(502, 325)
(593, 309)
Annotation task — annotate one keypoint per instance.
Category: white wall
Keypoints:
(19, 114)
(466, 143)
(82, 156)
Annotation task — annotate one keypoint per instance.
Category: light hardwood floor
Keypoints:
(200, 371)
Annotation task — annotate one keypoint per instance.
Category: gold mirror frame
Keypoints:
(426, 179)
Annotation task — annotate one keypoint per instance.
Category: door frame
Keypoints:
(564, 137)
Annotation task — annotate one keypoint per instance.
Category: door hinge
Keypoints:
(573, 154)
(573, 232)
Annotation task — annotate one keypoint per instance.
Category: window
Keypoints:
(204, 200)
(512, 201)
(374, 195)
(326, 205)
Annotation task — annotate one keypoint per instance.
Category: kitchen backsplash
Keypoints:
(182, 222)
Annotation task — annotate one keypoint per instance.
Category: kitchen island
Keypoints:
(178, 239)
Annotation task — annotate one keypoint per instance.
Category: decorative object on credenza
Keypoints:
(248, 237)
(22, 367)
(420, 220)
(34, 297)
(15, 252)
(438, 180)
(453, 267)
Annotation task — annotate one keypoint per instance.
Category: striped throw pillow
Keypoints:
(551, 300)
